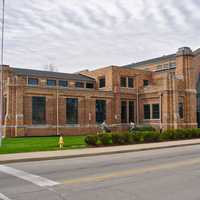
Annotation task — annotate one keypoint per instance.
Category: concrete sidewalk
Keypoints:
(50, 155)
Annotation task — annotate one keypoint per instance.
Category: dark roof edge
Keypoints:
(151, 61)
(50, 74)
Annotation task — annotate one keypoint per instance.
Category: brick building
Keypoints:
(162, 92)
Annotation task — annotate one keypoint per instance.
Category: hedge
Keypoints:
(136, 137)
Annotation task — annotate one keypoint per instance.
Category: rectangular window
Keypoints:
(32, 81)
(147, 111)
(130, 82)
(51, 82)
(172, 65)
(166, 66)
(100, 111)
(4, 108)
(102, 82)
(90, 85)
(72, 111)
(63, 83)
(159, 67)
(156, 111)
(38, 110)
(131, 111)
(123, 112)
(181, 110)
(123, 82)
(145, 82)
(79, 85)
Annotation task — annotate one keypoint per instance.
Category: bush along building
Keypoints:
(163, 92)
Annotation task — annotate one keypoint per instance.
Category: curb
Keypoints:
(92, 154)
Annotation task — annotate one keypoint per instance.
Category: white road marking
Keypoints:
(3, 197)
(37, 180)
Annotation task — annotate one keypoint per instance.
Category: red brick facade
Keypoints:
(171, 82)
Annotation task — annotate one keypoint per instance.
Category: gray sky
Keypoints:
(87, 34)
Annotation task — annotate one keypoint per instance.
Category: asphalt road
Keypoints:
(167, 174)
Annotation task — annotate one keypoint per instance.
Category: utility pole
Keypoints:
(2, 57)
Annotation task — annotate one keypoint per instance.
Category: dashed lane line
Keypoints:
(37, 180)
(131, 172)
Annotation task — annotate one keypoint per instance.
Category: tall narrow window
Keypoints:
(63, 83)
(90, 85)
(181, 110)
(147, 111)
(79, 84)
(145, 83)
(130, 82)
(51, 82)
(32, 81)
(155, 111)
(38, 110)
(123, 112)
(123, 82)
(100, 111)
(4, 108)
(131, 111)
(102, 82)
(72, 111)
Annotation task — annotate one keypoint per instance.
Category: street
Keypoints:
(166, 174)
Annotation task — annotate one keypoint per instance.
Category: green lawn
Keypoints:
(30, 144)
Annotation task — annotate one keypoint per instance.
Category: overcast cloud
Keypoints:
(78, 34)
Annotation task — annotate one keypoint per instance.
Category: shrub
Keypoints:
(117, 138)
(144, 128)
(91, 140)
(122, 138)
(138, 137)
(193, 133)
(151, 136)
(105, 138)
(128, 138)
(167, 135)
(179, 134)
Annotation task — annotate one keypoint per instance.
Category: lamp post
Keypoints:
(2, 56)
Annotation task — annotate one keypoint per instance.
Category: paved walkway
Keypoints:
(50, 155)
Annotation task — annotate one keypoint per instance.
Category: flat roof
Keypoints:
(152, 61)
(50, 74)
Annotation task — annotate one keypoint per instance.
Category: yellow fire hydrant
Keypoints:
(61, 142)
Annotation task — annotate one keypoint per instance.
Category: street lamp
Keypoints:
(2, 56)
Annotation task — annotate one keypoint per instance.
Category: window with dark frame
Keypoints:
(72, 111)
(4, 108)
(123, 112)
(181, 110)
(147, 111)
(63, 83)
(127, 111)
(100, 111)
(156, 111)
(51, 82)
(79, 84)
(145, 83)
(131, 111)
(90, 85)
(38, 110)
(102, 82)
(130, 82)
(33, 81)
(123, 82)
